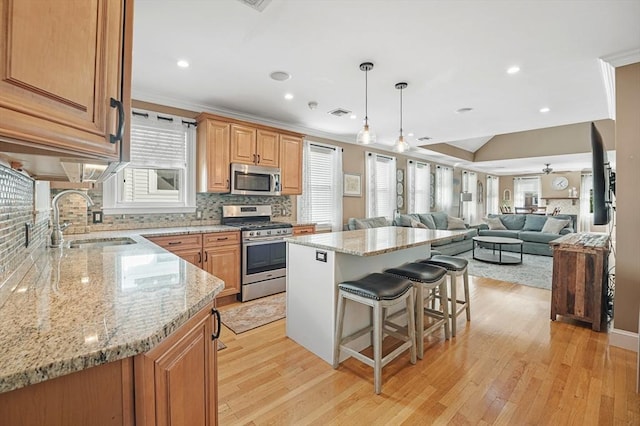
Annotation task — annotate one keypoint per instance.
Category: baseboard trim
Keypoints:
(624, 339)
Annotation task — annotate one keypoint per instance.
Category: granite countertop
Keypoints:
(68, 309)
(373, 241)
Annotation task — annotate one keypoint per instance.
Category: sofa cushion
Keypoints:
(372, 222)
(454, 223)
(440, 220)
(513, 221)
(470, 233)
(494, 223)
(498, 233)
(405, 219)
(554, 226)
(534, 222)
(441, 242)
(427, 219)
(537, 237)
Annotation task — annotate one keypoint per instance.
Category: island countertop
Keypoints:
(68, 309)
(373, 241)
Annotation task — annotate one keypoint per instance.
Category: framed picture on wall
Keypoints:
(352, 185)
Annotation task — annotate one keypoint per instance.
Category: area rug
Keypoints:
(249, 315)
(534, 271)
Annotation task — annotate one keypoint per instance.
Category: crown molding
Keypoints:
(621, 59)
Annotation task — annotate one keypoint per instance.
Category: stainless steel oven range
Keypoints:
(264, 252)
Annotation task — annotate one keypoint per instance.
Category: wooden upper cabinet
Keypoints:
(268, 148)
(291, 164)
(213, 156)
(243, 144)
(61, 64)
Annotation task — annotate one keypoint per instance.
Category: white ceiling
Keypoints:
(452, 54)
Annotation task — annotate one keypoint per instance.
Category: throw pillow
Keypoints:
(405, 219)
(372, 222)
(440, 219)
(416, 224)
(427, 220)
(494, 223)
(455, 223)
(554, 226)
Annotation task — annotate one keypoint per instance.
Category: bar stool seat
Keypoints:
(380, 291)
(426, 277)
(455, 267)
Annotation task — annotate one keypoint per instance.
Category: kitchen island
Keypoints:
(316, 264)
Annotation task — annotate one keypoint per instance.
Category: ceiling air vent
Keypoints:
(339, 112)
(424, 138)
(258, 5)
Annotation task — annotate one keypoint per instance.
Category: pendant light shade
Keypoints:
(401, 145)
(366, 135)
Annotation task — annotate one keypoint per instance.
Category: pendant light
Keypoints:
(365, 135)
(401, 145)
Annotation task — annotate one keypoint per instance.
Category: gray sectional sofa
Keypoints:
(529, 228)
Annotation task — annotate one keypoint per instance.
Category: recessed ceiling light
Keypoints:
(183, 64)
(545, 109)
(288, 96)
(410, 134)
(463, 110)
(280, 76)
(353, 116)
(513, 70)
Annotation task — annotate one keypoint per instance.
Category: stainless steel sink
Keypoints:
(101, 242)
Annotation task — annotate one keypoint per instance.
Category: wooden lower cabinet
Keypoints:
(221, 251)
(304, 230)
(176, 382)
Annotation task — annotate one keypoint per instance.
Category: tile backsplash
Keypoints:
(16, 210)
(73, 209)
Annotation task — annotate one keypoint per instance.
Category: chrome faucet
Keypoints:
(56, 228)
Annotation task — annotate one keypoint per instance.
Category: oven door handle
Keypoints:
(260, 241)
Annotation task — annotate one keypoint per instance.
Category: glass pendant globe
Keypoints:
(401, 145)
(366, 136)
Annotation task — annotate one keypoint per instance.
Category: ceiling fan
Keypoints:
(547, 169)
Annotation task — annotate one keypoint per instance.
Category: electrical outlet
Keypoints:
(97, 217)
(199, 214)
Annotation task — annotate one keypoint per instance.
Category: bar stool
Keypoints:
(426, 277)
(455, 267)
(380, 291)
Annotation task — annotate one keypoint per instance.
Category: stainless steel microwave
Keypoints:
(254, 180)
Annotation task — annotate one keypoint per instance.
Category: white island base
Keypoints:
(312, 289)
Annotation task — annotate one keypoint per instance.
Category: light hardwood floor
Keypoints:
(510, 365)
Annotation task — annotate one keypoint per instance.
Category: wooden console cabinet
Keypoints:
(580, 273)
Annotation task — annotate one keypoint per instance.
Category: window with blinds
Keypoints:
(526, 191)
(321, 199)
(444, 188)
(493, 195)
(418, 187)
(381, 185)
(161, 171)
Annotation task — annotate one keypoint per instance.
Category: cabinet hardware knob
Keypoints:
(199, 257)
(258, 158)
(174, 243)
(206, 256)
(114, 103)
(227, 183)
(222, 239)
(218, 324)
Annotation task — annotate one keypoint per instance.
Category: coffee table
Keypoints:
(493, 257)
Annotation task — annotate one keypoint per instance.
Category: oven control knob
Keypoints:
(251, 234)
(268, 232)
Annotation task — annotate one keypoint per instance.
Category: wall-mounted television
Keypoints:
(603, 180)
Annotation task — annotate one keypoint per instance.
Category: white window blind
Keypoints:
(526, 191)
(418, 186)
(161, 174)
(381, 185)
(321, 199)
(493, 195)
(444, 188)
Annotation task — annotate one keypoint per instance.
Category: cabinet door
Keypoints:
(224, 263)
(243, 144)
(213, 156)
(193, 256)
(291, 164)
(182, 371)
(60, 65)
(268, 148)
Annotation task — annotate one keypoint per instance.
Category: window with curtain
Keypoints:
(381, 185)
(444, 188)
(586, 213)
(161, 174)
(526, 191)
(418, 186)
(493, 195)
(321, 199)
(470, 208)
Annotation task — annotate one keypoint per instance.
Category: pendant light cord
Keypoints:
(366, 96)
(401, 89)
